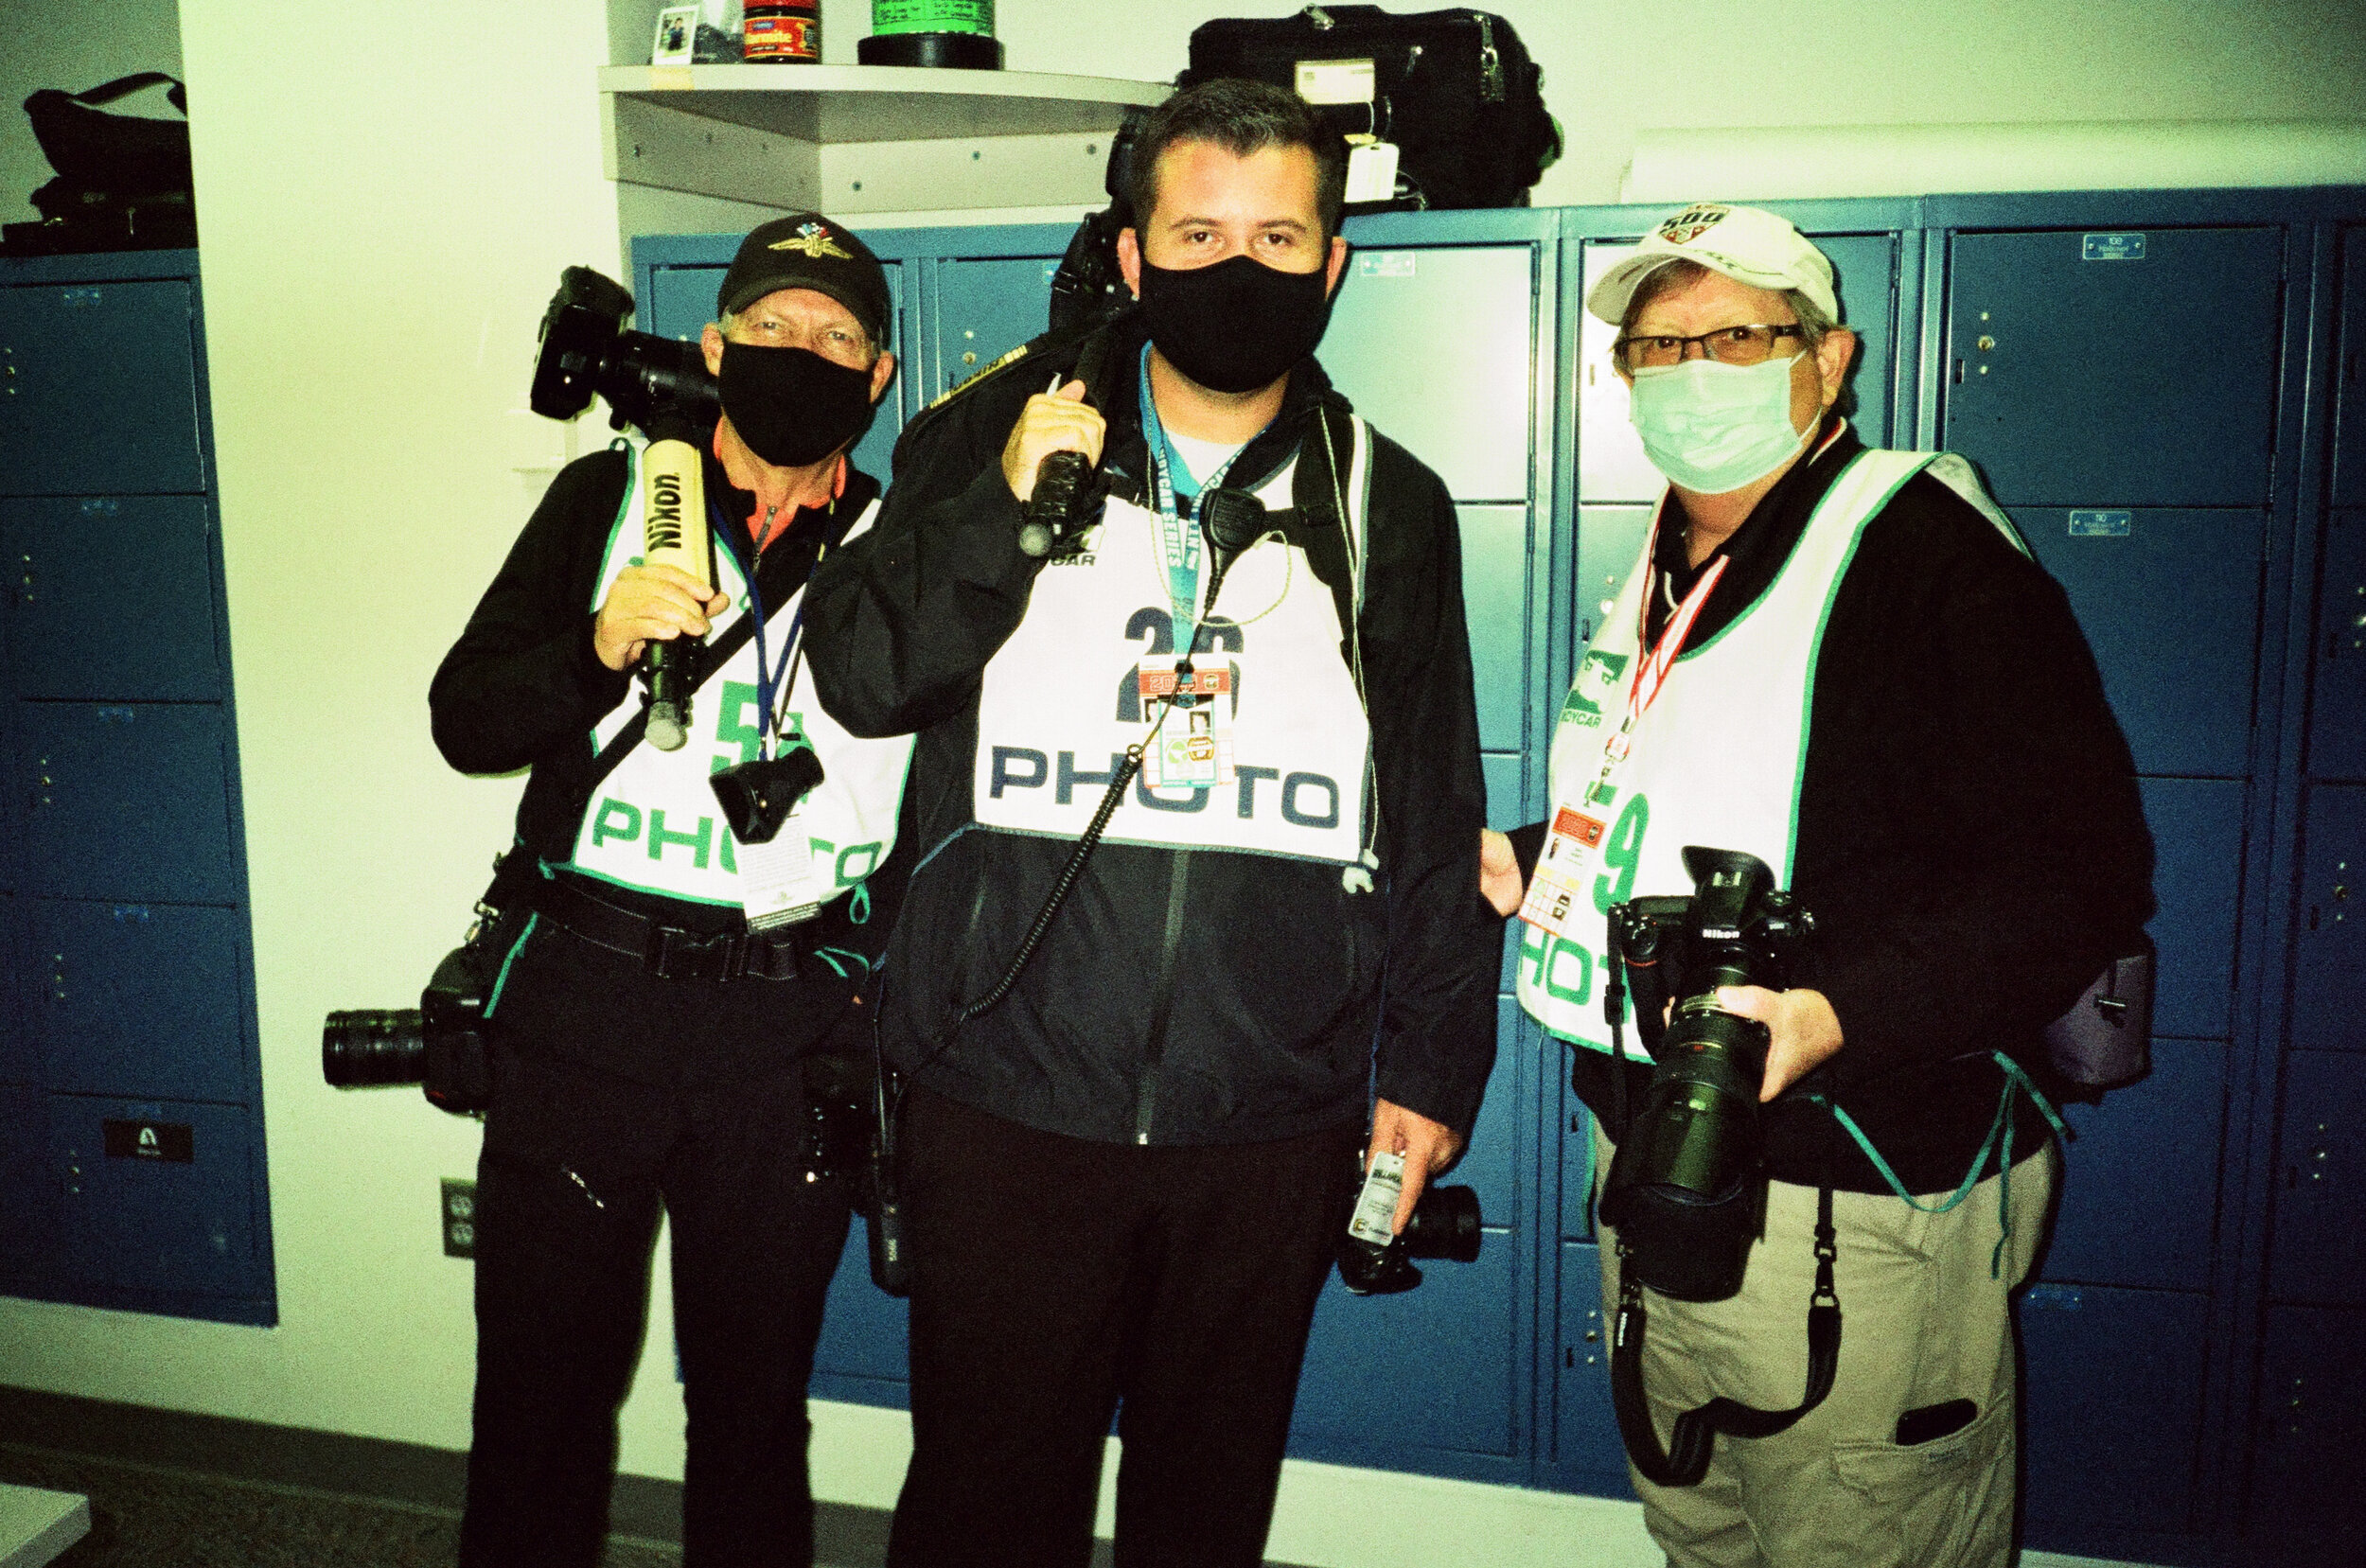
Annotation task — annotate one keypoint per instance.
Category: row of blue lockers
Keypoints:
(131, 1132)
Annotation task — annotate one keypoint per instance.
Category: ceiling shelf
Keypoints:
(850, 139)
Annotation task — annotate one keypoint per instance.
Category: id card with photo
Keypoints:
(1193, 748)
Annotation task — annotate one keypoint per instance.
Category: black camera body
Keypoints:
(1444, 1223)
(586, 350)
(439, 1044)
(1687, 1189)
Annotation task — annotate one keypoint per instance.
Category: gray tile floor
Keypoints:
(145, 1516)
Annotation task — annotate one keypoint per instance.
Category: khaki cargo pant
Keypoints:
(1922, 1323)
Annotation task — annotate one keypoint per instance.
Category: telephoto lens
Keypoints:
(1686, 1193)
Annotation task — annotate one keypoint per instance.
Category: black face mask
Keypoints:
(792, 406)
(1237, 325)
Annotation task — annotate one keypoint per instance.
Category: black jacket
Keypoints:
(523, 688)
(1971, 842)
(1180, 996)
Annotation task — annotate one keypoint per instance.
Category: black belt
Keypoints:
(669, 952)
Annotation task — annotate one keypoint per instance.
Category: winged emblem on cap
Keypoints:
(814, 241)
(1691, 223)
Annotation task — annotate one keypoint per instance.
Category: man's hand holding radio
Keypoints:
(1052, 422)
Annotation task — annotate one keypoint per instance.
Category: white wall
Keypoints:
(387, 195)
(74, 44)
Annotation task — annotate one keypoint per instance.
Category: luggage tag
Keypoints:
(773, 877)
(1192, 748)
(1371, 168)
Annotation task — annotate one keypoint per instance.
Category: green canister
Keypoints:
(957, 33)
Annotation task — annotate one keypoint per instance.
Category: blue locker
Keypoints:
(985, 307)
(2180, 684)
(136, 999)
(2329, 943)
(863, 1354)
(1490, 1165)
(2337, 706)
(2197, 846)
(2112, 1407)
(155, 1196)
(681, 302)
(2140, 1193)
(1432, 1369)
(28, 1191)
(1586, 1446)
(2317, 1250)
(1466, 413)
(126, 800)
(1609, 541)
(2115, 370)
(2306, 1504)
(1577, 1156)
(1495, 605)
(20, 1059)
(2349, 459)
(86, 363)
(103, 601)
(1507, 804)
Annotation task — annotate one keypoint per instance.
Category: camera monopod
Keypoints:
(674, 533)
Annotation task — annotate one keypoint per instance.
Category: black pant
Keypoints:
(578, 1160)
(1057, 1281)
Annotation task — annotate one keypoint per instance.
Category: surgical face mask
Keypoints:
(790, 405)
(1713, 428)
(1237, 325)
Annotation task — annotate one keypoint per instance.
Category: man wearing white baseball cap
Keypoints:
(1844, 662)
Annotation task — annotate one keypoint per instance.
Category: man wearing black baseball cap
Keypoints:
(662, 984)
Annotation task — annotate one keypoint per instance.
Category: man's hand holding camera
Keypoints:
(1802, 1029)
(650, 604)
(1428, 1146)
(1052, 422)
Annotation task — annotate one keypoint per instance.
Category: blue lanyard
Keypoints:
(1177, 540)
(771, 679)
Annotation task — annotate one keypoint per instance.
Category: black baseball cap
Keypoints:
(807, 250)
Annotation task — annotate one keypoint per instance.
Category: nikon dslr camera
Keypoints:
(1688, 1191)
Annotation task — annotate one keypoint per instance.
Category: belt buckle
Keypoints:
(679, 955)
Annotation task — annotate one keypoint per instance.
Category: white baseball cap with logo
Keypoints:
(1747, 244)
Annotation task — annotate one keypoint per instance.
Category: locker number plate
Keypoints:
(2112, 247)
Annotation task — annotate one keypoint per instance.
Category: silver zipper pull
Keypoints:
(1490, 63)
(1320, 17)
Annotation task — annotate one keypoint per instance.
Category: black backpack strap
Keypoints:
(107, 92)
(1313, 521)
(1687, 1457)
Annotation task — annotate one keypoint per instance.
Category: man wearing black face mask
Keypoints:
(1124, 1183)
(661, 983)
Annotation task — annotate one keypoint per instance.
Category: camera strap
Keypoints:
(1686, 1459)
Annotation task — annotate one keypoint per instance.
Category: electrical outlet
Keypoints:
(459, 1218)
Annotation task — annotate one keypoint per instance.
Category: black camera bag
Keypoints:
(1454, 90)
(123, 180)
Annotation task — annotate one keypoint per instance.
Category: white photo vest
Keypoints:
(1717, 758)
(653, 825)
(1058, 704)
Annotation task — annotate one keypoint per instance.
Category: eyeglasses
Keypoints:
(1726, 346)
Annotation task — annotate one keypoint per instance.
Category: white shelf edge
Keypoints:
(877, 79)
